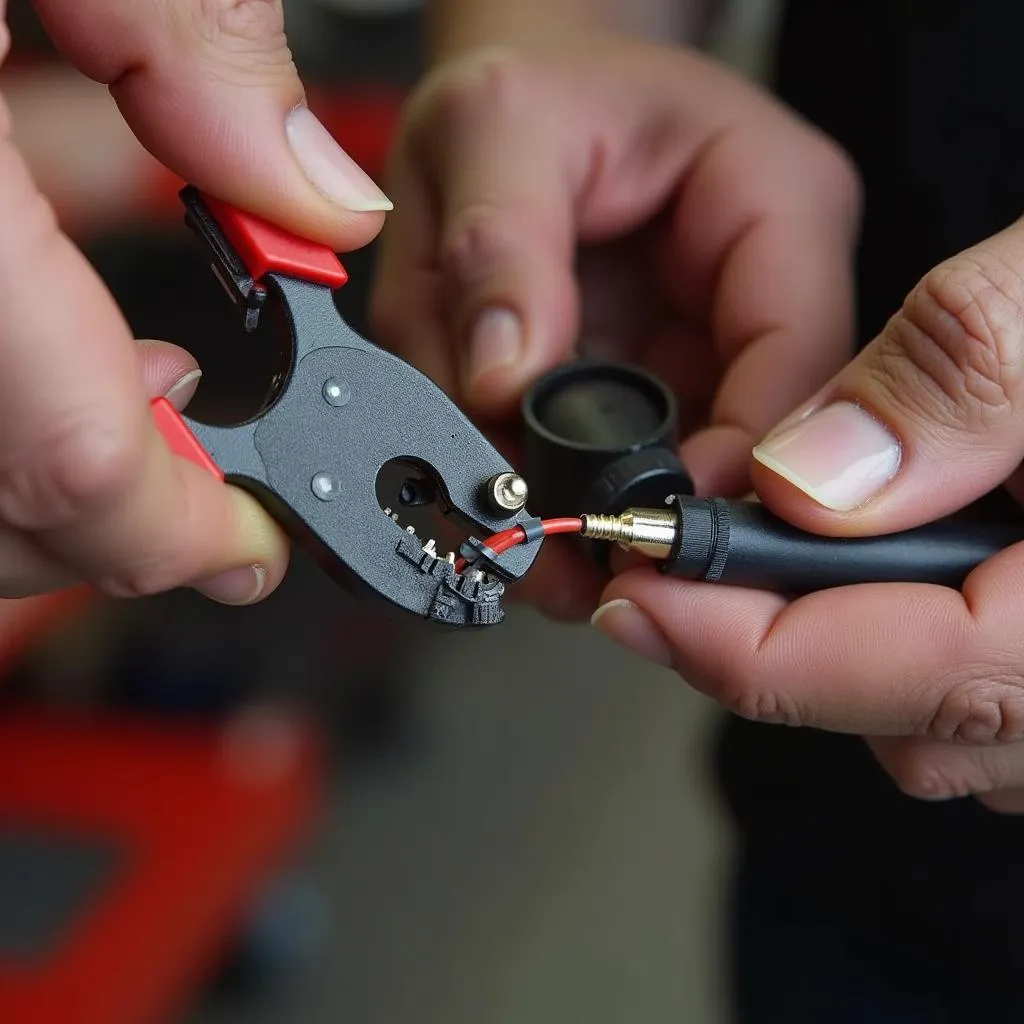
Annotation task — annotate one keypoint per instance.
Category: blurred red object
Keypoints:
(169, 829)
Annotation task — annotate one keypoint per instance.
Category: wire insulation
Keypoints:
(507, 539)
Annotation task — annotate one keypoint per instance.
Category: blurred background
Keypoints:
(293, 813)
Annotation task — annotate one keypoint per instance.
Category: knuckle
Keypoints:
(987, 707)
(71, 471)
(920, 774)
(760, 705)
(475, 243)
(245, 34)
(245, 19)
(954, 354)
(492, 83)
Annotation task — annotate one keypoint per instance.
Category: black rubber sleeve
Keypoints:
(743, 544)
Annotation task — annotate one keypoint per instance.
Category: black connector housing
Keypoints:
(601, 438)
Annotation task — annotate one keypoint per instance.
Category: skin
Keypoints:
(630, 199)
(88, 490)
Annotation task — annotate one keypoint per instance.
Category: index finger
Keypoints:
(210, 89)
(876, 659)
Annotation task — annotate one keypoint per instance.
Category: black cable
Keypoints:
(743, 544)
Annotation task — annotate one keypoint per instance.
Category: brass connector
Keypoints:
(649, 531)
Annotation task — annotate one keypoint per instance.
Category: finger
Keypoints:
(930, 770)
(717, 457)
(82, 467)
(28, 569)
(505, 234)
(211, 91)
(926, 420)
(1004, 801)
(765, 260)
(405, 304)
(718, 460)
(166, 370)
(887, 659)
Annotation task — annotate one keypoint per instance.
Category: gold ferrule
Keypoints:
(649, 531)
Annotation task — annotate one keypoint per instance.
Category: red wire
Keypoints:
(501, 542)
(567, 524)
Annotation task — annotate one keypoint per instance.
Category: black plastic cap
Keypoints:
(599, 438)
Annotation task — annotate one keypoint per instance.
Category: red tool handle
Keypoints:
(180, 438)
(262, 248)
(265, 248)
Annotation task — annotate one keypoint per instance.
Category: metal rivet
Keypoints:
(326, 487)
(336, 392)
(507, 492)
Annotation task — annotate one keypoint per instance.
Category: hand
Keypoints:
(88, 491)
(929, 418)
(624, 199)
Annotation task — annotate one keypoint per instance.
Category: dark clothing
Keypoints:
(855, 903)
(927, 97)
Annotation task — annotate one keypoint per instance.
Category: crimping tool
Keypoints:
(341, 412)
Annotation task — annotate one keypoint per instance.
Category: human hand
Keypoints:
(88, 490)
(626, 200)
(928, 419)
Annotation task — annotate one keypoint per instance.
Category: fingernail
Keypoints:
(625, 623)
(496, 343)
(331, 170)
(841, 456)
(185, 386)
(236, 586)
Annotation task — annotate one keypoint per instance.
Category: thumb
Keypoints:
(209, 88)
(927, 419)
